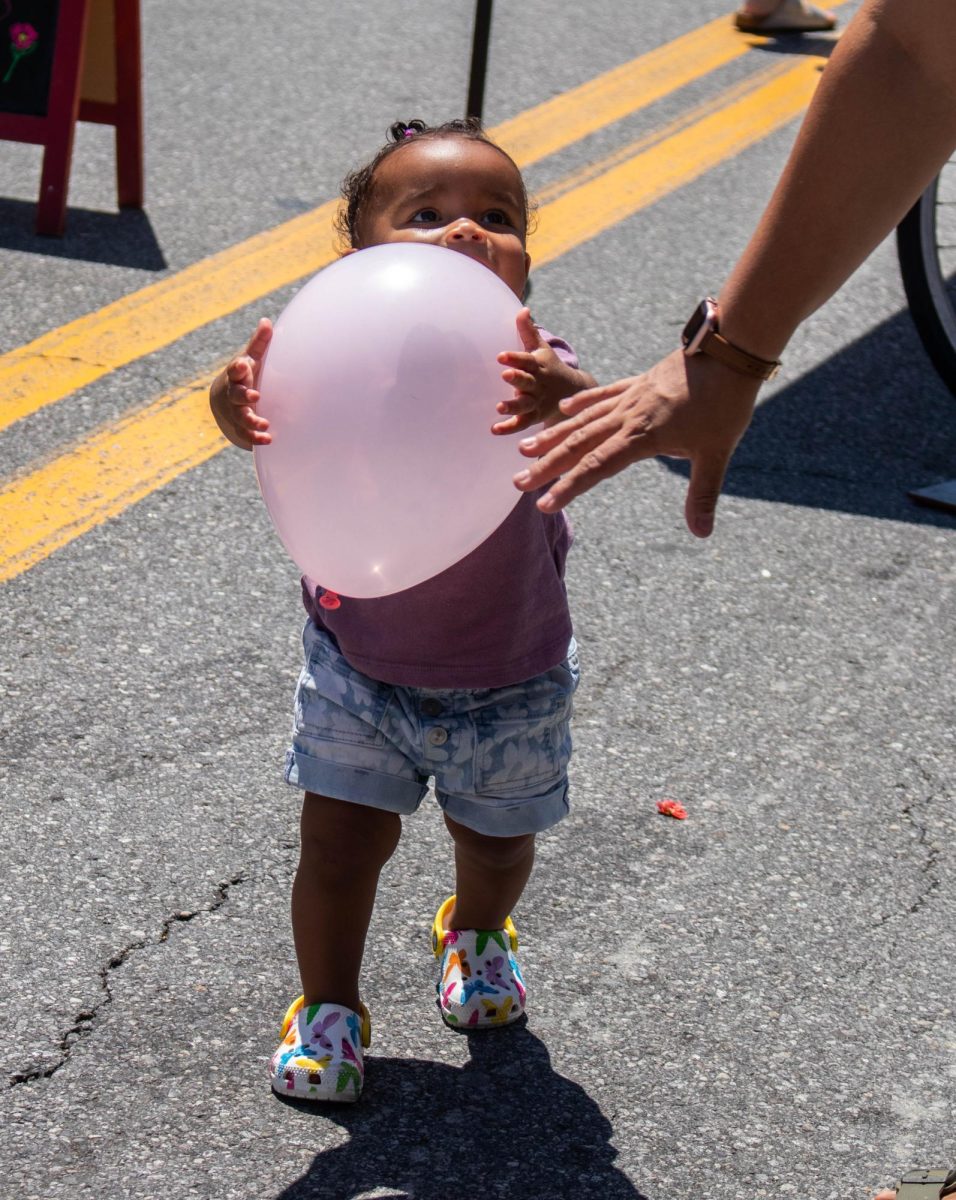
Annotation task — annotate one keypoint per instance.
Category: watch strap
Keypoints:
(716, 346)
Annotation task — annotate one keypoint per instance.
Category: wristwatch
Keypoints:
(700, 336)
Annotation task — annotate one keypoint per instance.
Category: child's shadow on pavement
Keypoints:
(505, 1124)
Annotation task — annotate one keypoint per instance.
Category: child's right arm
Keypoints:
(233, 395)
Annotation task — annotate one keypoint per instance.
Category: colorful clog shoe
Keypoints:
(479, 980)
(320, 1055)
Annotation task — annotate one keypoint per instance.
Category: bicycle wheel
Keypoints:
(926, 247)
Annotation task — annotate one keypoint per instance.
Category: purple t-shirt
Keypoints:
(497, 617)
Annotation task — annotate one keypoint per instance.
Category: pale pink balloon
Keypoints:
(380, 386)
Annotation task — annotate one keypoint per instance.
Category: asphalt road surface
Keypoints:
(759, 1001)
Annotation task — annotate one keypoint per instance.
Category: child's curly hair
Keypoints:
(358, 185)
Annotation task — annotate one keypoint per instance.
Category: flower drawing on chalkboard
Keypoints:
(23, 41)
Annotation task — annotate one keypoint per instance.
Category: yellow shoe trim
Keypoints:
(438, 929)
(366, 1028)
(290, 1016)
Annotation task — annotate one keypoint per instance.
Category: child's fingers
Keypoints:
(256, 428)
(256, 346)
(239, 374)
(514, 424)
(527, 330)
(250, 429)
(517, 404)
(521, 381)
(518, 358)
(245, 409)
(243, 370)
(233, 406)
(240, 402)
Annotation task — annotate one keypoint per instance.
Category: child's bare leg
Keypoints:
(343, 849)
(490, 875)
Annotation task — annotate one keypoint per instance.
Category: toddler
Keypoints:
(466, 678)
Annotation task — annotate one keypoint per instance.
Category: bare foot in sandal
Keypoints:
(783, 16)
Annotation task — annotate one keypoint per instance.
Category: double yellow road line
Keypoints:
(99, 477)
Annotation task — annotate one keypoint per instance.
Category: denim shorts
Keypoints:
(499, 756)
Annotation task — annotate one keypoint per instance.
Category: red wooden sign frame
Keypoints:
(66, 104)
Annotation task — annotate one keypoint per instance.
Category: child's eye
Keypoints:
(426, 216)
(497, 217)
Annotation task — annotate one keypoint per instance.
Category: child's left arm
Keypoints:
(539, 378)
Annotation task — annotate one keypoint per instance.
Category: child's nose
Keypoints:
(464, 230)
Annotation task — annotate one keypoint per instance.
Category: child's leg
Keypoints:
(344, 847)
(490, 875)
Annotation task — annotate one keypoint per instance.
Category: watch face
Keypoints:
(696, 328)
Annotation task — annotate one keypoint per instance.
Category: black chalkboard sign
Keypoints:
(27, 40)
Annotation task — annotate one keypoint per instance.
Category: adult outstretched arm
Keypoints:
(881, 124)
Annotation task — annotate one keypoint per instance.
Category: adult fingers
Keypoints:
(703, 492)
(607, 458)
(588, 447)
(568, 440)
(573, 405)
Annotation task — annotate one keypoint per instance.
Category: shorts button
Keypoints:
(438, 736)
(431, 707)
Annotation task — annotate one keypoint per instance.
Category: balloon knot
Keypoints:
(329, 600)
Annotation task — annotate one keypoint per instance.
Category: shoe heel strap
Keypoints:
(438, 927)
(365, 1031)
(290, 1016)
(439, 931)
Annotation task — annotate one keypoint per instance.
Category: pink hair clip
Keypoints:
(409, 133)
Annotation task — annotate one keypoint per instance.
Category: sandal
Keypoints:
(320, 1054)
(914, 1182)
(479, 980)
(790, 16)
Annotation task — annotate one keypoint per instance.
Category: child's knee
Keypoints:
(494, 852)
(337, 835)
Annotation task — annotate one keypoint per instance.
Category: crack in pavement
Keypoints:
(85, 1020)
(933, 852)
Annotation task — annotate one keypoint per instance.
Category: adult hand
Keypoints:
(694, 408)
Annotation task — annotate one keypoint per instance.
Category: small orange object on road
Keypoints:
(672, 808)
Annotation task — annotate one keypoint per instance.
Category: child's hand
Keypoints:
(233, 396)
(540, 379)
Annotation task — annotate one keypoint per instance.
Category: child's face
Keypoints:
(452, 192)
